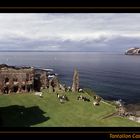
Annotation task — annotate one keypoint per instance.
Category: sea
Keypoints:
(113, 76)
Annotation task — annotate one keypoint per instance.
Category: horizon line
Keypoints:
(50, 51)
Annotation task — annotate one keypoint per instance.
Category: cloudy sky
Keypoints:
(69, 31)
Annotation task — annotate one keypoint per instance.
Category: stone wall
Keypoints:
(16, 80)
(26, 79)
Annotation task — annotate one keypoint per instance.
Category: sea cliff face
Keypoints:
(133, 51)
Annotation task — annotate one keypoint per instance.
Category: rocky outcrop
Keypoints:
(133, 51)
(75, 84)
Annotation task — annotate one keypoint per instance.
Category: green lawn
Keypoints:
(30, 110)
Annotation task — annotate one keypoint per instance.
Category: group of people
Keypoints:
(62, 98)
(96, 101)
(83, 98)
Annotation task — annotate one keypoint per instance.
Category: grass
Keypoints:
(32, 111)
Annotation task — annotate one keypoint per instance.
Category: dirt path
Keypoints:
(111, 115)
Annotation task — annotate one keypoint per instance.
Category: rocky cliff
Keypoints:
(133, 51)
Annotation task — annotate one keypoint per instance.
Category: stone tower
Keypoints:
(54, 84)
(75, 84)
(44, 80)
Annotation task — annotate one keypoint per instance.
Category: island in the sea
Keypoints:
(133, 51)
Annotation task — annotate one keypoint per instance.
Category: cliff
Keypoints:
(133, 51)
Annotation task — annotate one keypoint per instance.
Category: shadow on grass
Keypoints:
(19, 116)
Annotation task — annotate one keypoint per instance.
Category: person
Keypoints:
(40, 95)
(61, 100)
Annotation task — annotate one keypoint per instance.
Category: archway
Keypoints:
(6, 79)
(37, 82)
(15, 88)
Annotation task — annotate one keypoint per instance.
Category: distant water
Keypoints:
(112, 76)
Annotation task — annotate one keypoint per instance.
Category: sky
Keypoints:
(69, 31)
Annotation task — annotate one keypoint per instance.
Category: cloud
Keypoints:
(69, 31)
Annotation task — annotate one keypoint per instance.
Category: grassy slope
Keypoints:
(48, 111)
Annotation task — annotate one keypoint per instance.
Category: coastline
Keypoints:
(129, 111)
(134, 108)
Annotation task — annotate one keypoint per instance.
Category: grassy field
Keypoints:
(30, 110)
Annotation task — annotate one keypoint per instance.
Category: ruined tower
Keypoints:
(75, 84)
(54, 84)
(44, 80)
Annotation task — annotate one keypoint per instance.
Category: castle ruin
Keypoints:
(28, 79)
(22, 79)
